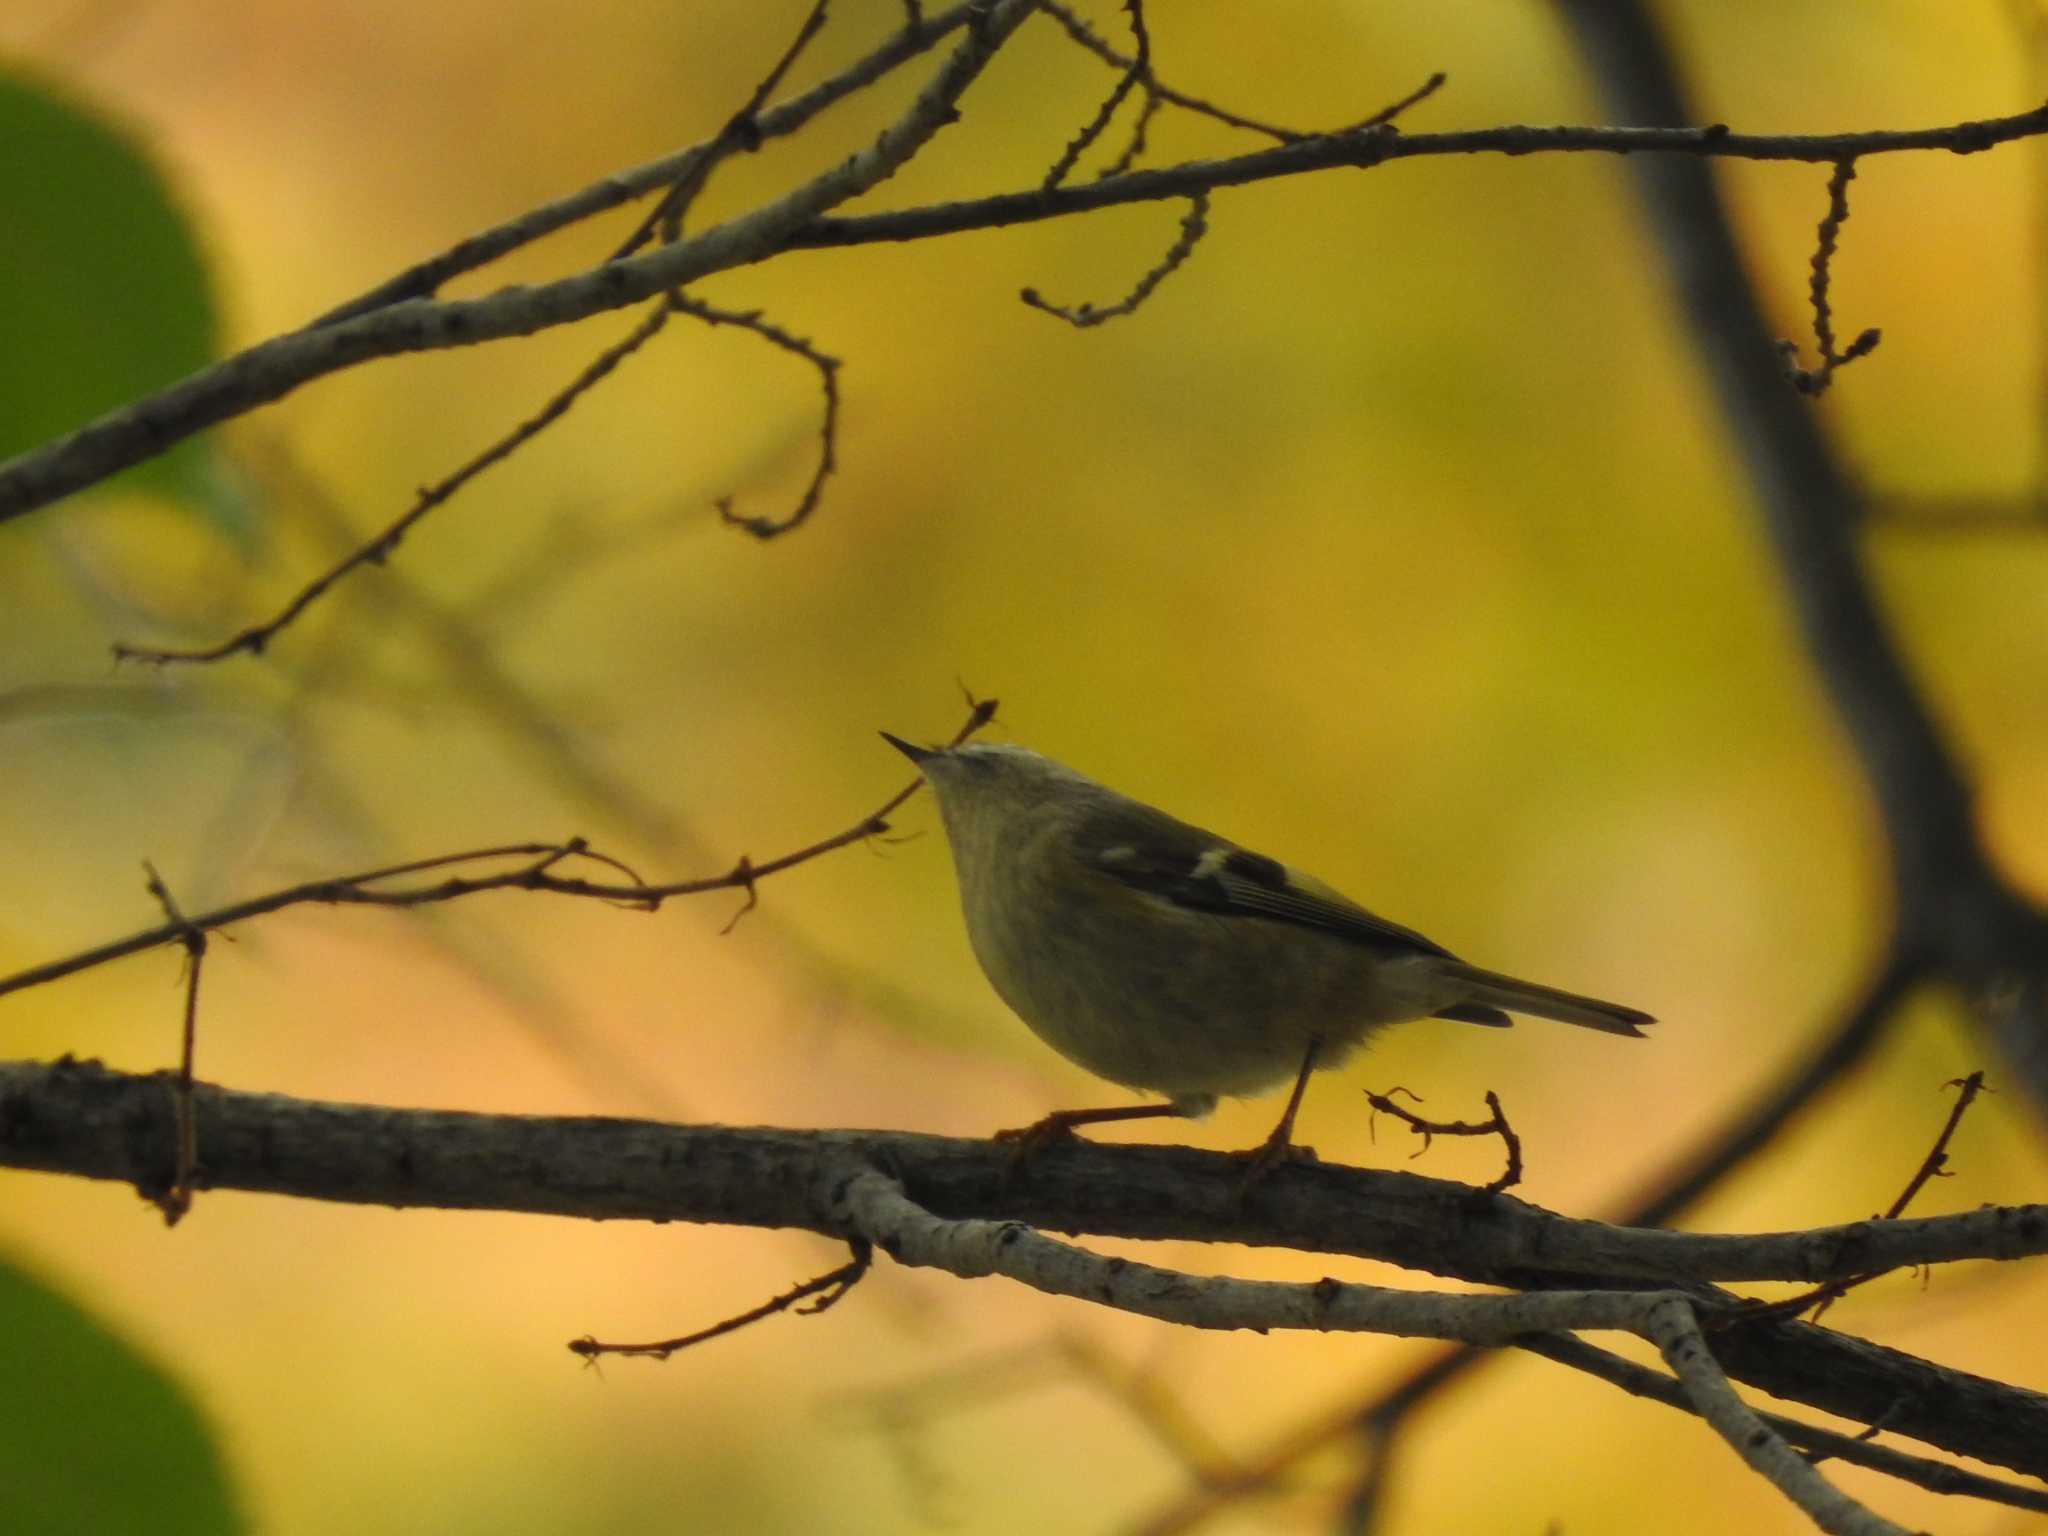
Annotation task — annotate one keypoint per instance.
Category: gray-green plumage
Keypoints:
(1166, 958)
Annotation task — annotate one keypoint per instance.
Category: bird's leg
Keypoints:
(1059, 1125)
(1279, 1146)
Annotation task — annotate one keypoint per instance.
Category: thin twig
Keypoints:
(1394, 109)
(1141, 125)
(799, 221)
(1384, 1416)
(1428, 1130)
(175, 1199)
(1193, 226)
(828, 1288)
(1814, 381)
(828, 428)
(426, 278)
(1373, 147)
(742, 131)
(1139, 71)
(379, 549)
(1078, 29)
(482, 679)
(1933, 1166)
(537, 874)
(274, 368)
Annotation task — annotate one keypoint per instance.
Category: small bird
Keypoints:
(1174, 961)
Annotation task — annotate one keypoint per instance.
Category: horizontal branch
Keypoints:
(623, 187)
(272, 369)
(536, 871)
(79, 1118)
(876, 1206)
(1367, 148)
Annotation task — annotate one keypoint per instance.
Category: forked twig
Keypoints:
(1428, 1130)
(1933, 1166)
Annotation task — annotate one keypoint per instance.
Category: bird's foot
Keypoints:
(1275, 1152)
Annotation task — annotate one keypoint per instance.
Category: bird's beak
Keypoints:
(918, 755)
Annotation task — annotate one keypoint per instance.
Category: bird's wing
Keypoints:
(1203, 873)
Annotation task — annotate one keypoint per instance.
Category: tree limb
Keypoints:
(273, 369)
(80, 1118)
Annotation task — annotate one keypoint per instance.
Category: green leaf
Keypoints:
(103, 291)
(96, 1438)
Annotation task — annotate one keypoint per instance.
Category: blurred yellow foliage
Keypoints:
(1397, 535)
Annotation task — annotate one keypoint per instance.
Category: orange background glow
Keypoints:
(1398, 536)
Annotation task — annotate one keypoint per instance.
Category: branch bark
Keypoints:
(371, 327)
(80, 1118)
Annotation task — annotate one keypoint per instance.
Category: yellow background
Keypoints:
(1396, 536)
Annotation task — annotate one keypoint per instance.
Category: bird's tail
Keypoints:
(1490, 989)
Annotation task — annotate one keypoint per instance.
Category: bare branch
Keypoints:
(1950, 900)
(828, 1289)
(1815, 381)
(1676, 1331)
(1192, 228)
(828, 428)
(426, 278)
(1934, 1165)
(275, 368)
(379, 549)
(1383, 1415)
(1138, 72)
(742, 131)
(1134, 143)
(1395, 109)
(1087, 37)
(371, 888)
(960, 1198)
(1496, 1125)
(877, 1207)
(1366, 148)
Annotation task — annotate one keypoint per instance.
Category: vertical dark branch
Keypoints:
(1809, 507)
(1954, 912)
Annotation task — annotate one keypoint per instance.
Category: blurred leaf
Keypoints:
(98, 1438)
(105, 294)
